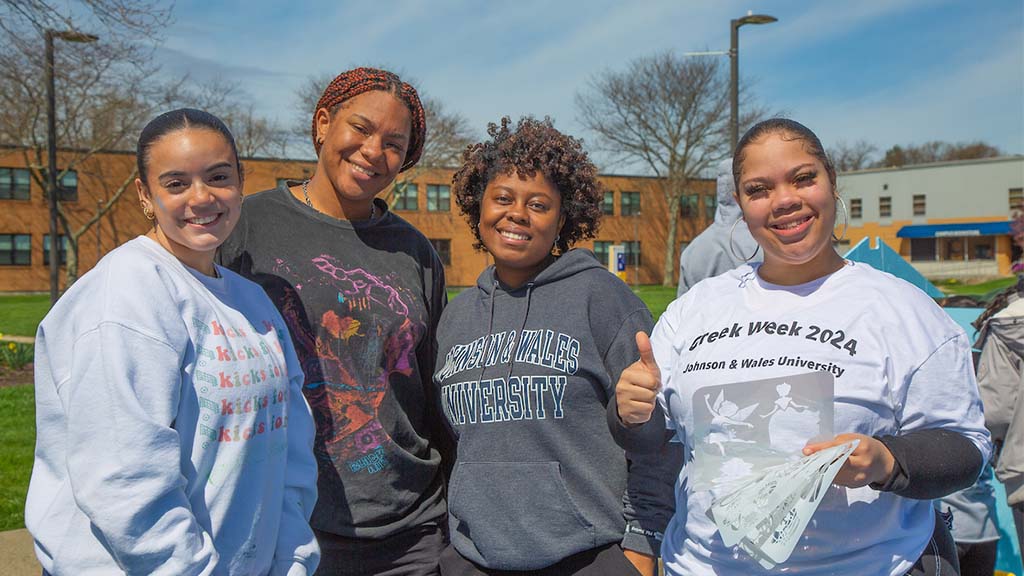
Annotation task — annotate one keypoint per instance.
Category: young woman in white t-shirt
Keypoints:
(899, 368)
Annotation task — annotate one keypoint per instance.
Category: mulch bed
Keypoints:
(11, 377)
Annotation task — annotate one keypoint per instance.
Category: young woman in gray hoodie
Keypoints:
(527, 363)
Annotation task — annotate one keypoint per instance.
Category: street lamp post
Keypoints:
(51, 150)
(734, 56)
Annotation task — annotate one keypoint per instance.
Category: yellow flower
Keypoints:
(12, 346)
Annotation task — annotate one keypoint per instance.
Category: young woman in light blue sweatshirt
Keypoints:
(172, 434)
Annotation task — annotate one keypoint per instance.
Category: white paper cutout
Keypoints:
(767, 513)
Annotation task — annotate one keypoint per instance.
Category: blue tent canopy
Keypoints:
(955, 230)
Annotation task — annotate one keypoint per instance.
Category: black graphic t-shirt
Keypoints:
(361, 300)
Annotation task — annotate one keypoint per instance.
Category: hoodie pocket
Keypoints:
(519, 515)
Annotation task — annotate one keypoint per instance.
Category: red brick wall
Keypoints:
(100, 176)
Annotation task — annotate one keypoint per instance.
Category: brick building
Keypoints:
(425, 201)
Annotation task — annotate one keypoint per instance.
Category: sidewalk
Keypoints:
(18, 339)
(18, 557)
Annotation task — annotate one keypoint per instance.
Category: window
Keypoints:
(439, 198)
(885, 206)
(67, 187)
(982, 250)
(1016, 198)
(632, 251)
(14, 183)
(406, 196)
(919, 205)
(444, 249)
(856, 211)
(15, 249)
(922, 249)
(601, 250)
(710, 204)
(629, 203)
(62, 250)
(608, 205)
(688, 205)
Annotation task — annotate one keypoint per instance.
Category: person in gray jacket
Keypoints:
(724, 244)
(1001, 382)
(527, 363)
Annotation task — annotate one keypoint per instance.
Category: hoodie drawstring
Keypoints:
(519, 336)
(487, 339)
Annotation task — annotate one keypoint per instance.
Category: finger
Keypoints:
(645, 395)
(843, 438)
(638, 376)
(635, 412)
(643, 345)
(813, 447)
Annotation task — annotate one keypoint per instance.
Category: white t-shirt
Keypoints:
(899, 363)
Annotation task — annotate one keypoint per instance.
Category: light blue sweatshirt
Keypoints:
(172, 434)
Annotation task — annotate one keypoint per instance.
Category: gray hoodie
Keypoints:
(1001, 382)
(525, 376)
(709, 254)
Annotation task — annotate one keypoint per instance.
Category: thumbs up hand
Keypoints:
(637, 390)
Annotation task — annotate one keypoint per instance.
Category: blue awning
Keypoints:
(955, 230)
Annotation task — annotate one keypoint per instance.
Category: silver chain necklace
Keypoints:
(305, 194)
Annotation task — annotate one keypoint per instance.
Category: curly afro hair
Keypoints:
(533, 146)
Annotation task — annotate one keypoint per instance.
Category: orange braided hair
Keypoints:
(354, 82)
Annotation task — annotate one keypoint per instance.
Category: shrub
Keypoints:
(15, 355)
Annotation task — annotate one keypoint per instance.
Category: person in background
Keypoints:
(972, 512)
(1001, 379)
(723, 245)
(172, 434)
(901, 370)
(361, 291)
(527, 362)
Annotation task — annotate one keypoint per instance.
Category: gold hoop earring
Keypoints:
(148, 212)
(846, 219)
(732, 248)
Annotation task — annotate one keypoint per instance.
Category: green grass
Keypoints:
(20, 315)
(989, 288)
(656, 297)
(17, 440)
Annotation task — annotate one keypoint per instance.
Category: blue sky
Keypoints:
(885, 71)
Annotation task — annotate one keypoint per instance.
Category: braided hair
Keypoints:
(354, 82)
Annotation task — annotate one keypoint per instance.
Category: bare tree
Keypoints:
(667, 114)
(937, 151)
(104, 95)
(307, 94)
(114, 16)
(448, 136)
(255, 135)
(856, 156)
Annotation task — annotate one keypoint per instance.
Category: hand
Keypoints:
(644, 564)
(637, 389)
(870, 462)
